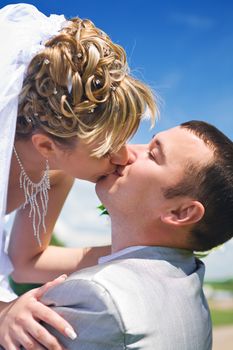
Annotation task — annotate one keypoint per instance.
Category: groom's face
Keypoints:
(138, 187)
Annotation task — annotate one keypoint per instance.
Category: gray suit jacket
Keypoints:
(150, 299)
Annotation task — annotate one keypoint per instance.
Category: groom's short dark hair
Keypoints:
(212, 185)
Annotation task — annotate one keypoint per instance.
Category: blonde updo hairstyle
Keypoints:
(79, 87)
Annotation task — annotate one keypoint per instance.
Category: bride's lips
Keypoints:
(117, 172)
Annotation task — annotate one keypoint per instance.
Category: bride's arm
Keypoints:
(56, 260)
(33, 263)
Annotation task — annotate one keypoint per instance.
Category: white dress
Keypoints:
(23, 31)
(6, 293)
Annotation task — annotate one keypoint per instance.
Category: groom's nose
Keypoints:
(123, 157)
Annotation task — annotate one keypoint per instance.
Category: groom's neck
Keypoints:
(126, 233)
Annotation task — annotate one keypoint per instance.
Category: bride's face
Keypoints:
(79, 163)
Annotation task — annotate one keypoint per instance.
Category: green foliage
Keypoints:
(202, 255)
(103, 210)
(55, 241)
(226, 285)
(21, 288)
(221, 317)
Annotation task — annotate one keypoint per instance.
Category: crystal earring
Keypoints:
(33, 193)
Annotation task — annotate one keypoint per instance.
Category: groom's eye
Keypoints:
(151, 155)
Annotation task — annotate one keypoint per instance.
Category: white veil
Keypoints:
(23, 30)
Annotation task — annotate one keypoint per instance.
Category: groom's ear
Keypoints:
(186, 213)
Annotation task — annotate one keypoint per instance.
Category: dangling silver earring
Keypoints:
(33, 191)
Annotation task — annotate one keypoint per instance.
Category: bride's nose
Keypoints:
(123, 157)
(137, 151)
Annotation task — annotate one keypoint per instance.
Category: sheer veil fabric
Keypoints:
(23, 30)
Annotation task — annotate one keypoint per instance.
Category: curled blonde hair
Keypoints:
(80, 86)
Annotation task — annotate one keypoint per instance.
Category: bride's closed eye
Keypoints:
(106, 155)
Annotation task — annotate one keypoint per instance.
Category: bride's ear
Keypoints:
(43, 144)
(184, 214)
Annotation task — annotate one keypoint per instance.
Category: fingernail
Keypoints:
(70, 333)
(63, 277)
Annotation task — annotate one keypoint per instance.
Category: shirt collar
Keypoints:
(107, 258)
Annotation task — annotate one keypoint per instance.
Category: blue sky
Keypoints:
(182, 49)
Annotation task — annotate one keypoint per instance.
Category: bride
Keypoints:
(68, 104)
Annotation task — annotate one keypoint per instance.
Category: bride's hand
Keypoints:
(20, 325)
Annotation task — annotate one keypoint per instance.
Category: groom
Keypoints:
(175, 197)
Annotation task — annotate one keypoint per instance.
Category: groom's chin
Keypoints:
(106, 188)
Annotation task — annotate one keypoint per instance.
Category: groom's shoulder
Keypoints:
(90, 308)
(86, 284)
(92, 272)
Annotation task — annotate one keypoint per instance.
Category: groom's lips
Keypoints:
(106, 175)
(120, 170)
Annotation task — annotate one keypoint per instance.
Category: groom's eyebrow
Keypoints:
(161, 148)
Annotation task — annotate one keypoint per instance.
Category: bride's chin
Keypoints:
(110, 177)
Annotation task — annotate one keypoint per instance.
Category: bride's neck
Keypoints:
(32, 161)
